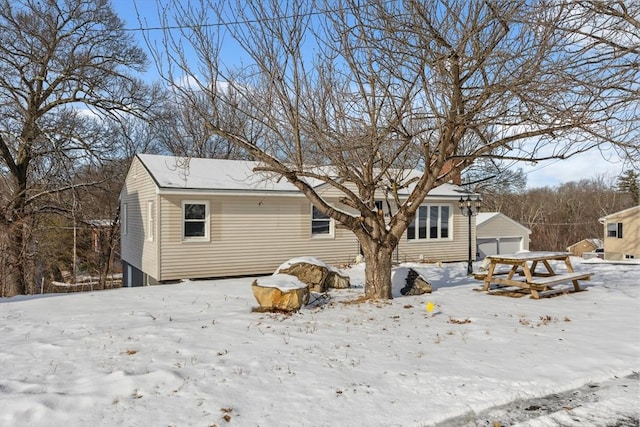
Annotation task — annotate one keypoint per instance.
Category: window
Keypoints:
(320, 223)
(124, 215)
(614, 229)
(431, 222)
(195, 220)
(150, 222)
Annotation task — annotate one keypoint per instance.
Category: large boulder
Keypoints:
(415, 284)
(280, 292)
(315, 273)
(308, 270)
(336, 280)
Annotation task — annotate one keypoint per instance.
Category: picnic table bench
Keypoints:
(525, 264)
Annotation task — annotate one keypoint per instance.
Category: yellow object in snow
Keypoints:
(430, 307)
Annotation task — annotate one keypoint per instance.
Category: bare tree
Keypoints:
(488, 176)
(62, 64)
(182, 132)
(371, 91)
(608, 32)
(561, 216)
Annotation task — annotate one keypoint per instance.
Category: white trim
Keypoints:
(332, 228)
(201, 192)
(615, 214)
(207, 221)
(150, 220)
(418, 239)
(209, 192)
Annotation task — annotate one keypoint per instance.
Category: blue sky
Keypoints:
(588, 165)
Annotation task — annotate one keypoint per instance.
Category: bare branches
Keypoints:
(378, 88)
(65, 71)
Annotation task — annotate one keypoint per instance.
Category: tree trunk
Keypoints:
(108, 243)
(377, 270)
(19, 271)
(17, 268)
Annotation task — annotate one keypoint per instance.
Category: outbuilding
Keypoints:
(584, 246)
(499, 234)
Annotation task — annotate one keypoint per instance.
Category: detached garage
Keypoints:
(499, 234)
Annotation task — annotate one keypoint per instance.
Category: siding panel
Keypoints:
(249, 235)
(137, 191)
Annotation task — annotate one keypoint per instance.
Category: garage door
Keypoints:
(495, 246)
(509, 245)
(487, 247)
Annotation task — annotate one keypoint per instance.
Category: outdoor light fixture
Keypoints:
(469, 207)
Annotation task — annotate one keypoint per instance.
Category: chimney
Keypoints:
(446, 168)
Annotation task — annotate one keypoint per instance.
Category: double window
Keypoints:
(614, 229)
(321, 225)
(431, 222)
(195, 220)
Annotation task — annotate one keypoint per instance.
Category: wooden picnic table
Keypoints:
(529, 276)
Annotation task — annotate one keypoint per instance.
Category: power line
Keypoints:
(536, 169)
(559, 223)
(233, 23)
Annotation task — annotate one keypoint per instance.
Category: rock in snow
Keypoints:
(280, 292)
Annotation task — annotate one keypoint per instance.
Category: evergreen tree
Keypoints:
(628, 183)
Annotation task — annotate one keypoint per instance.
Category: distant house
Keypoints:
(584, 245)
(212, 218)
(622, 234)
(499, 234)
(99, 233)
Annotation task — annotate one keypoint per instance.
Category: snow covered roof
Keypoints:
(598, 243)
(210, 174)
(170, 172)
(448, 189)
(485, 217)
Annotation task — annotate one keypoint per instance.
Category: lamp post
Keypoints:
(469, 207)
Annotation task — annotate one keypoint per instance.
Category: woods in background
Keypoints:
(371, 90)
(563, 215)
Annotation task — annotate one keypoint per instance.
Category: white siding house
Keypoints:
(206, 218)
(499, 234)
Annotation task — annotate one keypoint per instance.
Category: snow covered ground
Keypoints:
(194, 354)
